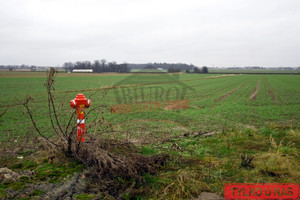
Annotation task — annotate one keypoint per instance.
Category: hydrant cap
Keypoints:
(80, 97)
(80, 101)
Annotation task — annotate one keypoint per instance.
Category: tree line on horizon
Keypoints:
(164, 66)
(99, 66)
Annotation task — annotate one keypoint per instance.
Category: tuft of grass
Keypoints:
(274, 164)
(266, 131)
(280, 126)
(293, 136)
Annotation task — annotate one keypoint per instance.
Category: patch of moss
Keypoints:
(2, 191)
(84, 196)
(54, 173)
(25, 165)
(147, 151)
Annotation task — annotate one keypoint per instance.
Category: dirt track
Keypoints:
(253, 95)
(221, 76)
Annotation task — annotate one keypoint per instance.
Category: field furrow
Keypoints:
(253, 95)
(229, 93)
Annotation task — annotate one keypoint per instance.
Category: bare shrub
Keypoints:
(66, 135)
(105, 159)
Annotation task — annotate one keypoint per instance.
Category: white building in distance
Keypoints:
(82, 71)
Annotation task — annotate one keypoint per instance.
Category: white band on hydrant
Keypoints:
(80, 121)
(74, 103)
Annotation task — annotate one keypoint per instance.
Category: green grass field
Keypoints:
(216, 103)
(256, 115)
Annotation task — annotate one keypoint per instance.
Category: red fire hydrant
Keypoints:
(80, 103)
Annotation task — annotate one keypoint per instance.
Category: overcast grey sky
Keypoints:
(202, 32)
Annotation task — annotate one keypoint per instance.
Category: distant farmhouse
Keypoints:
(82, 71)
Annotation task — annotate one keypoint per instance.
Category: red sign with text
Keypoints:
(284, 191)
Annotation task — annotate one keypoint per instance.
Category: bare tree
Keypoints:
(103, 61)
(97, 66)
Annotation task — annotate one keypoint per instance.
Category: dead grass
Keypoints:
(181, 184)
(120, 169)
(110, 160)
(277, 165)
